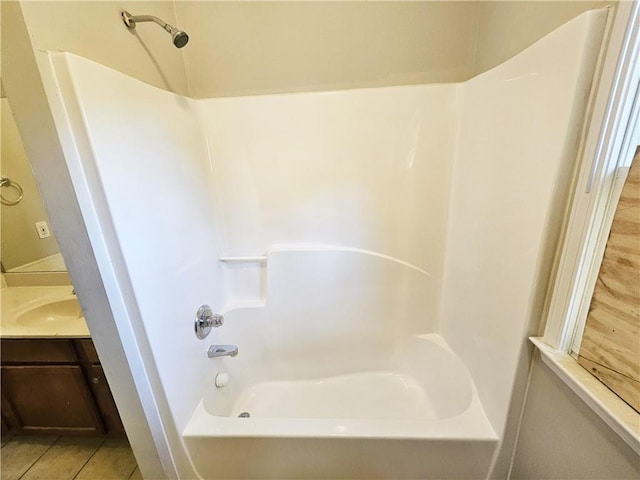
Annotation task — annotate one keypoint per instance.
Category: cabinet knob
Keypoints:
(95, 380)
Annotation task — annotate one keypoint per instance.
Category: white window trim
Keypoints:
(610, 118)
(607, 213)
(608, 148)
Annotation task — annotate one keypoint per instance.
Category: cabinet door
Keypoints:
(104, 399)
(50, 399)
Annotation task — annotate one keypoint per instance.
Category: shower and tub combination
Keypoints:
(372, 258)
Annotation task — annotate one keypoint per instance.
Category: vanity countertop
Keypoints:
(41, 312)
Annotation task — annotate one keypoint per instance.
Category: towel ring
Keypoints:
(8, 183)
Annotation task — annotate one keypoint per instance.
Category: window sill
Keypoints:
(622, 419)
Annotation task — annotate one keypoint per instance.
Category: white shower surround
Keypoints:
(433, 206)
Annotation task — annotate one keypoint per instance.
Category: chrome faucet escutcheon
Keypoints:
(205, 320)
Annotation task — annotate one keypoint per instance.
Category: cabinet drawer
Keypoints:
(37, 351)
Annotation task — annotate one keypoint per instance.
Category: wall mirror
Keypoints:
(27, 243)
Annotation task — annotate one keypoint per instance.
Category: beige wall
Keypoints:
(240, 48)
(94, 29)
(20, 242)
(561, 437)
(506, 28)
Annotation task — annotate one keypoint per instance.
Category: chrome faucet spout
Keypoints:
(222, 351)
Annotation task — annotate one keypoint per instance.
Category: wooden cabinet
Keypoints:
(55, 386)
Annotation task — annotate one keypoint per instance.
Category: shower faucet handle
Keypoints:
(206, 320)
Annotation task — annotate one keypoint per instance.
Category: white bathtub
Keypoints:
(423, 401)
(425, 391)
(360, 376)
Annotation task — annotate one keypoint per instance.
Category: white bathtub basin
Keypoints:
(388, 395)
(414, 414)
(424, 387)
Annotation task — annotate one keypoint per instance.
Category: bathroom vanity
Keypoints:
(52, 379)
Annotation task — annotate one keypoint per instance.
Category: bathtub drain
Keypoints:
(244, 415)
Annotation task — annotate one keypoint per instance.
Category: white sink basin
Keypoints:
(58, 313)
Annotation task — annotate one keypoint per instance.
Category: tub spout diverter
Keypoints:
(222, 351)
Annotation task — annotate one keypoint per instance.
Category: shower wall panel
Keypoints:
(367, 169)
(520, 125)
(146, 166)
(361, 169)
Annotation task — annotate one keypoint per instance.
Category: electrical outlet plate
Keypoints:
(43, 230)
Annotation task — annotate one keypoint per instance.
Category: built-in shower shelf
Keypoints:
(257, 259)
(245, 280)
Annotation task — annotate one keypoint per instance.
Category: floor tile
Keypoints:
(20, 453)
(114, 460)
(66, 457)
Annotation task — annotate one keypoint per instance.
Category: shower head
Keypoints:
(179, 37)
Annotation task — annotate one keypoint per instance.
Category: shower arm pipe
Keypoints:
(133, 19)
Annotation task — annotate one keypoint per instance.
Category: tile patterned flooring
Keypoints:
(67, 458)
